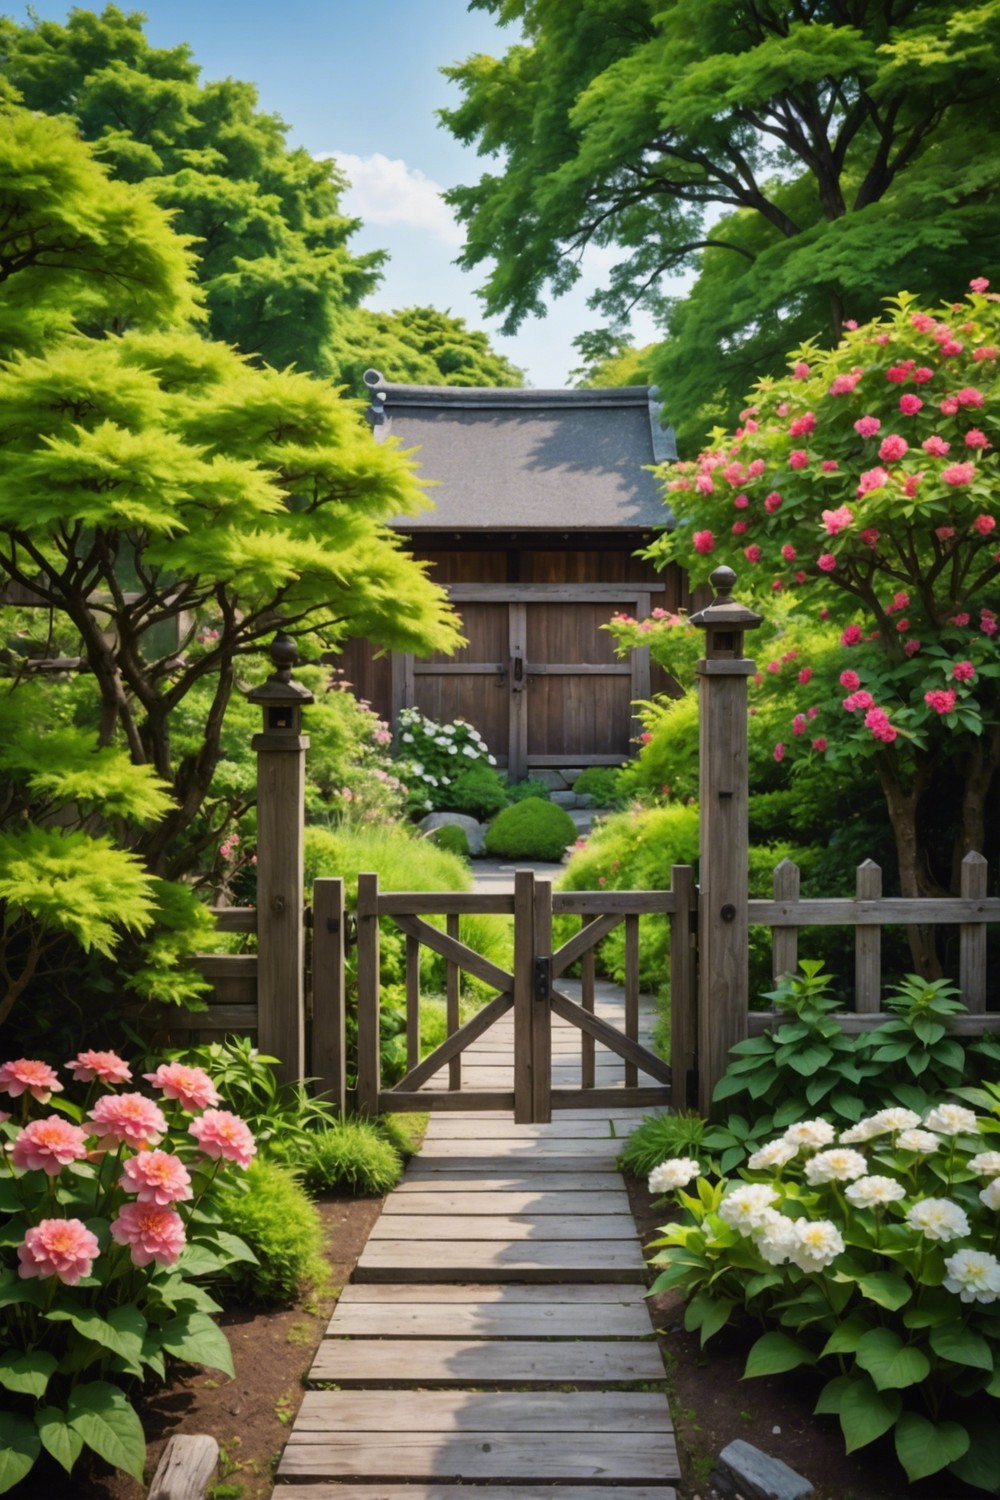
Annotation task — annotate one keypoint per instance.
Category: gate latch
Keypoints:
(543, 979)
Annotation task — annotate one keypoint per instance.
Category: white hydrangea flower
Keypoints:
(871, 1192)
(452, 749)
(407, 738)
(987, 1164)
(920, 1141)
(470, 751)
(676, 1172)
(938, 1219)
(974, 1275)
(838, 1165)
(951, 1119)
(744, 1207)
(439, 739)
(448, 729)
(417, 768)
(814, 1243)
(990, 1194)
(774, 1237)
(810, 1133)
(864, 1130)
(491, 759)
(895, 1118)
(774, 1154)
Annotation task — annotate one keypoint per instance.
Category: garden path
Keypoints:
(494, 1342)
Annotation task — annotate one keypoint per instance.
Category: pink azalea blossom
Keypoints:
(952, 346)
(873, 479)
(801, 370)
(963, 671)
(959, 474)
(108, 1067)
(902, 625)
(877, 720)
(772, 502)
(922, 322)
(867, 426)
(987, 622)
(944, 533)
(756, 467)
(64, 1248)
(741, 502)
(899, 601)
(738, 528)
(912, 483)
(969, 396)
(978, 284)
(869, 536)
(788, 552)
(802, 426)
(843, 385)
(829, 465)
(774, 666)
(975, 438)
(752, 553)
(191, 1087)
(850, 680)
(948, 407)
(936, 446)
(893, 448)
(984, 525)
(826, 562)
(49, 1145)
(800, 577)
(779, 752)
(961, 619)
(805, 675)
(942, 700)
(852, 636)
(985, 351)
(911, 647)
(156, 1177)
(798, 459)
(129, 1119)
(25, 1075)
(799, 724)
(860, 699)
(776, 585)
(909, 404)
(703, 541)
(922, 374)
(819, 743)
(835, 521)
(898, 373)
(221, 1134)
(704, 485)
(151, 1231)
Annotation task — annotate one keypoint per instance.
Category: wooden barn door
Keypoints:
(539, 678)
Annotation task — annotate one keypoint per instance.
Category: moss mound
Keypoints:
(531, 829)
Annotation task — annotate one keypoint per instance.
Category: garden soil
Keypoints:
(251, 1415)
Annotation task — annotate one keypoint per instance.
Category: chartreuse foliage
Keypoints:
(793, 157)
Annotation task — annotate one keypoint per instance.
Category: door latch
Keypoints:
(543, 979)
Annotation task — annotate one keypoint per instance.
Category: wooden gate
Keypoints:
(539, 677)
(522, 1072)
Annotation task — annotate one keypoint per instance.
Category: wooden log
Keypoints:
(187, 1465)
(867, 943)
(972, 937)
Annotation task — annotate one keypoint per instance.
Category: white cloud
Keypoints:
(386, 191)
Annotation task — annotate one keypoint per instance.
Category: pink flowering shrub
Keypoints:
(108, 1213)
(886, 540)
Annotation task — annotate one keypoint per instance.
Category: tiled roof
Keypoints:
(527, 459)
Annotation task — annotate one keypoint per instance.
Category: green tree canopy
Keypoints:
(801, 158)
(417, 346)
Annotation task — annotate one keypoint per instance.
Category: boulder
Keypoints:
(473, 830)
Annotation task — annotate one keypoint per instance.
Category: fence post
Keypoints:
(723, 927)
(328, 1050)
(281, 773)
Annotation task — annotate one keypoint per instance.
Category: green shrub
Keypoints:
(354, 1157)
(402, 859)
(404, 1132)
(603, 783)
(531, 829)
(273, 1215)
(480, 791)
(658, 1137)
(519, 791)
(451, 838)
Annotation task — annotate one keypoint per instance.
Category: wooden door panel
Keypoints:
(571, 633)
(473, 683)
(575, 718)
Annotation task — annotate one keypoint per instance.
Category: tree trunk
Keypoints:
(913, 877)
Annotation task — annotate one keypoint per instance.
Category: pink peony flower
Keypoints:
(741, 502)
(156, 1177)
(221, 1134)
(984, 525)
(921, 375)
(703, 541)
(944, 533)
(788, 552)
(975, 438)
(898, 373)
(969, 396)
(802, 426)
(899, 601)
(873, 479)
(877, 720)
(922, 322)
(986, 351)
(958, 474)
(801, 370)
(49, 1145)
(912, 483)
(152, 1232)
(892, 448)
(191, 1087)
(948, 407)
(860, 699)
(128, 1119)
(752, 553)
(952, 346)
(961, 619)
(779, 752)
(963, 671)
(774, 666)
(909, 404)
(772, 502)
(829, 465)
(826, 562)
(24, 1074)
(837, 520)
(798, 459)
(869, 536)
(867, 426)
(819, 743)
(852, 636)
(704, 484)
(903, 625)
(738, 528)
(942, 700)
(978, 284)
(911, 647)
(799, 724)
(843, 385)
(850, 680)
(58, 1247)
(805, 675)
(108, 1067)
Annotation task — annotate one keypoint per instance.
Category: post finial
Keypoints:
(284, 653)
(723, 580)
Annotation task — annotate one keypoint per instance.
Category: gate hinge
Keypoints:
(543, 979)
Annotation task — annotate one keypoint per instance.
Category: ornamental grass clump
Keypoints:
(869, 1253)
(109, 1213)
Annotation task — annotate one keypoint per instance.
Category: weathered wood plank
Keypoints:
(901, 911)
(360, 1491)
(852, 1023)
(186, 1466)
(472, 1128)
(449, 947)
(972, 937)
(867, 941)
(434, 1320)
(470, 1098)
(453, 1045)
(440, 903)
(497, 1229)
(599, 902)
(421, 1178)
(235, 918)
(615, 1041)
(494, 1411)
(387, 1363)
(652, 1095)
(512, 1294)
(461, 1205)
(513, 1151)
(444, 1260)
(509, 1457)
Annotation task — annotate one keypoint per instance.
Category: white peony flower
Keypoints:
(813, 1244)
(974, 1275)
(810, 1133)
(677, 1172)
(871, 1192)
(895, 1118)
(838, 1165)
(990, 1194)
(951, 1119)
(744, 1207)
(987, 1163)
(920, 1141)
(938, 1219)
(864, 1130)
(774, 1236)
(774, 1154)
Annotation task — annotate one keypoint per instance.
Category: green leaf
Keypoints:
(808, 1060)
(886, 1289)
(891, 1364)
(199, 1260)
(121, 1340)
(845, 1337)
(924, 1447)
(27, 1374)
(20, 1446)
(832, 1395)
(232, 1247)
(865, 1413)
(980, 1465)
(58, 1437)
(10, 1202)
(100, 1415)
(775, 1352)
(962, 1346)
(195, 1338)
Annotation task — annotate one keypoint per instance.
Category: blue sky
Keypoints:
(359, 80)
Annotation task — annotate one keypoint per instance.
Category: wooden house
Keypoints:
(542, 499)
